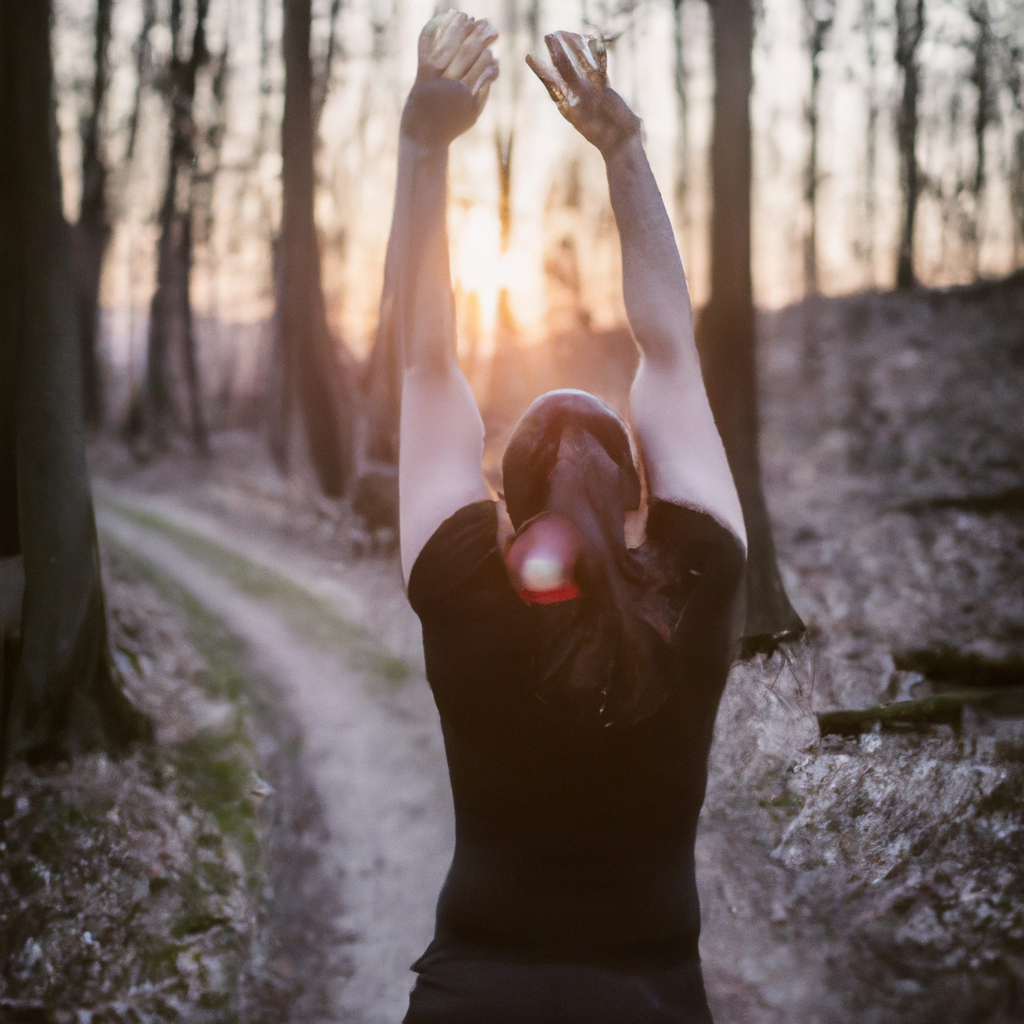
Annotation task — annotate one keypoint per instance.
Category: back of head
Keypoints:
(532, 449)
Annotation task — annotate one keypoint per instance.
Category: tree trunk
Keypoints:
(725, 333)
(59, 695)
(869, 21)
(1015, 84)
(173, 393)
(909, 29)
(818, 18)
(681, 183)
(92, 232)
(143, 54)
(309, 366)
(984, 111)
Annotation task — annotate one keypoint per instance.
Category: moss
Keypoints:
(194, 923)
(214, 767)
(215, 1001)
(787, 801)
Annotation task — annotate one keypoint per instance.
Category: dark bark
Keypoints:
(60, 694)
(322, 79)
(869, 22)
(909, 30)
(984, 112)
(310, 368)
(818, 18)
(173, 394)
(725, 334)
(92, 232)
(143, 53)
(1015, 82)
(681, 184)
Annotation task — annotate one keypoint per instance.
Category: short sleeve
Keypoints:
(454, 553)
(692, 541)
(702, 563)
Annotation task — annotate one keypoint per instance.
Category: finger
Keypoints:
(547, 75)
(450, 38)
(582, 57)
(599, 52)
(429, 30)
(483, 87)
(427, 35)
(561, 57)
(485, 65)
(475, 44)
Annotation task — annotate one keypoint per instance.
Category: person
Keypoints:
(577, 679)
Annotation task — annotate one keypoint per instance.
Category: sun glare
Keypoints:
(481, 271)
(476, 239)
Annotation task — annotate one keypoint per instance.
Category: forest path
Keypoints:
(341, 643)
(372, 744)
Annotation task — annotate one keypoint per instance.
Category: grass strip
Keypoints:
(214, 767)
(304, 612)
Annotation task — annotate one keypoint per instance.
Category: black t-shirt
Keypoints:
(572, 842)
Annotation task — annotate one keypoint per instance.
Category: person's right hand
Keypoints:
(578, 83)
(456, 68)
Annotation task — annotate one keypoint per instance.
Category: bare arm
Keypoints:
(441, 434)
(682, 451)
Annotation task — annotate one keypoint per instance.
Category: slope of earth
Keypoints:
(893, 444)
(154, 888)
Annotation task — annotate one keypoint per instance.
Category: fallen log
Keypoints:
(939, 709)
(956, 670)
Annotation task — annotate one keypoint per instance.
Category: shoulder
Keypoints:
(690, 538)
(455, 551)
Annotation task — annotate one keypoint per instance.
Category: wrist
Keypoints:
(420, 147)
(626, 148)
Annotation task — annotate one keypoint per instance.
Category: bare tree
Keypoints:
(309, 369)
(92, 232)
(869, 25)
(818, 16)
(143, 53)
(680, 79)
(58, 693)
(909, 32)
(172, 399)
(322, 74)
(725, 331)
(985, 111)
(1014, 60)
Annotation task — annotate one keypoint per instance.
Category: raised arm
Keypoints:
(441, 434)
(680, 445)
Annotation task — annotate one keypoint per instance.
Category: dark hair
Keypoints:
(533, 448)
(602, 653)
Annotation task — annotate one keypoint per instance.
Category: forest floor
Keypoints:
(873, 877)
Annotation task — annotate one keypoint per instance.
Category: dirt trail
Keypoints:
(373, 747)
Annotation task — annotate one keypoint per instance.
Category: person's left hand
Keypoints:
(577, 80)
(456, 68)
